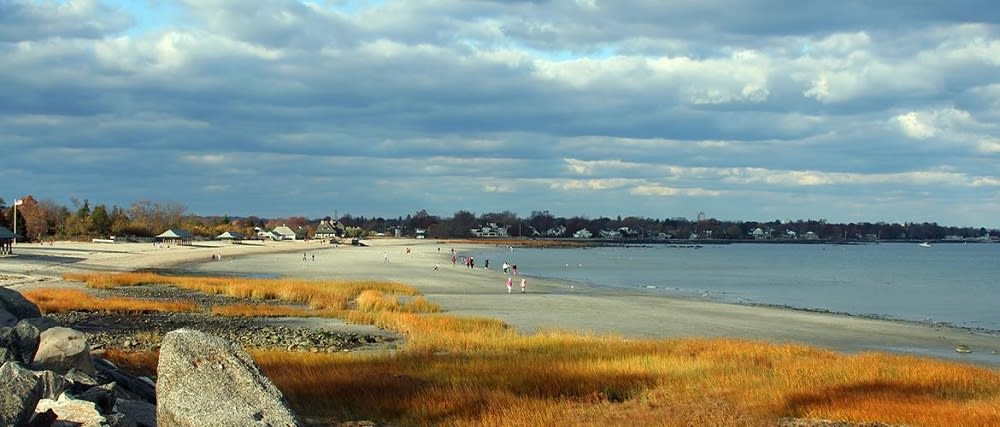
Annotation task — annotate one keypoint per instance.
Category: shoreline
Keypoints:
(549, 305)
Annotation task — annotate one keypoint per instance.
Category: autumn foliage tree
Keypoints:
(32, 222)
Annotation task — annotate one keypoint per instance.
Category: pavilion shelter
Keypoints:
(233, 237)
(174, 236)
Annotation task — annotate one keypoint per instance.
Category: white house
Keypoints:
(285, 232)
(331, 229)
(583, 233)
(556, 231)
(489, 230)
(758, 234)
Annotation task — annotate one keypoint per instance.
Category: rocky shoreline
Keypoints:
(145, 331)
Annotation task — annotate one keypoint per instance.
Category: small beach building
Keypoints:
(175, 236)
(231, 236)
(285, 232)
(583, 233)
(6, 241)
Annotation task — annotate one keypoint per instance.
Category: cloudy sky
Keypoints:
(850, 110)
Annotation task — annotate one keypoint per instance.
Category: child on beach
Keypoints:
(510, 284)
(522, 284)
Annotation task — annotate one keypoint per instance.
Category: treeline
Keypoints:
(41, 220)
(544, 224)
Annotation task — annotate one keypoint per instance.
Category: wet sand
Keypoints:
(548, 304)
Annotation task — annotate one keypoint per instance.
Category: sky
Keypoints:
(756, 110)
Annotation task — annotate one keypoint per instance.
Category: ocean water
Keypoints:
(955, 284)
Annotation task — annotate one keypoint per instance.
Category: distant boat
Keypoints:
(924, 245)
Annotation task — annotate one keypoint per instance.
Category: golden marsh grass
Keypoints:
(62, 300)
(480, 372)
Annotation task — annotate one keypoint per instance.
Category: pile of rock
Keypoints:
(48, 377)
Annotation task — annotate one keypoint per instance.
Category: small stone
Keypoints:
(963, 349)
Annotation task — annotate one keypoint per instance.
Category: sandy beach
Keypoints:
(548, 305)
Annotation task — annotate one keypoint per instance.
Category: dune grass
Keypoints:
(480, 372)
(321, 295)
(62, 300)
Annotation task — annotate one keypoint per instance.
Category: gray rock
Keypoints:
(14, 303)
(61, 349)
(77, 412)
(129, 386)
(21, 391)
(103, 396)
(6, 319)
(19, 343)
(142, 414)
(205, 380)
(79, 380)
(118, 420)
(43, 419)
(53, 384)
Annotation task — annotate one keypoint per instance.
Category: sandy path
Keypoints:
(548, 305)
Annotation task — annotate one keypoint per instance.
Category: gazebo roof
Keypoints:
(175, 233)
(235, 235)
(5, 233)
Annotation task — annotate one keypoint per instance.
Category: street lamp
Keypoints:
(17, 202)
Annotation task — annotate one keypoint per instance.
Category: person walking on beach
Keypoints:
(385, 257)
(514, 269)
(486, 265)
(505, 267)
(522, 284)
(510, 284)
(453, 260)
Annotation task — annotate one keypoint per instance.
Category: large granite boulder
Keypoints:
(7, 319)
(205, 380)
(61, 349)
(14, 303)
(20, 391)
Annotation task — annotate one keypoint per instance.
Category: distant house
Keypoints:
(328, 230)
(489, 230)
(285, 232)
(583, 233)
(610, 234)
(174, 236)
(421, 233)
(811, 236)
(556, 231)
(231, 236)
(758, 234)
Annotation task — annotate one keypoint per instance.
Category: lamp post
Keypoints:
(17, 202)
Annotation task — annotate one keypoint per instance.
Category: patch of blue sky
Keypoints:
(563, 55)
(349, 7)
(149, 15)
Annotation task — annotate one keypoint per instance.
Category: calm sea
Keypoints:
(957, 284)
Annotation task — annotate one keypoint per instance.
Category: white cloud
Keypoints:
(913, 126)
(205, 159)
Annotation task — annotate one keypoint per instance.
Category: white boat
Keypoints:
(924, 245)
